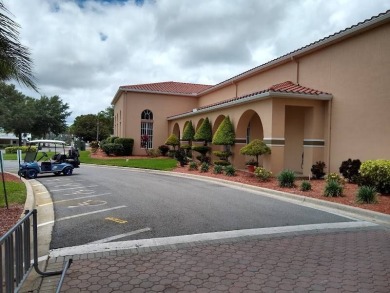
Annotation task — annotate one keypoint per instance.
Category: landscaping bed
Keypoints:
(9, 217)
(348, 198)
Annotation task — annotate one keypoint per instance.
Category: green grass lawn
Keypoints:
(16, 193)
(164, 164)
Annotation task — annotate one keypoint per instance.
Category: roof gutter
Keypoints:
(261, 96)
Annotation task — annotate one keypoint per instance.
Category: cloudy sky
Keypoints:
(83, 50)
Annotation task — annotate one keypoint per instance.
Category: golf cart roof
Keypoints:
(37, 141)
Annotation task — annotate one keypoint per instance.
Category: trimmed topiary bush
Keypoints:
(230, 170)
(376, 173)
(350, 170)
(333, 189)
(366, 194)
(188, 132)
(127, 144)
(204, 132)
(255, 148)
(318, 170)
(224, 135)
(221, 163)
(163, 149)
(262, 174)
(173, 141)
(305, 186)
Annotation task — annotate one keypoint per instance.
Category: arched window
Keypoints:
(147, 129)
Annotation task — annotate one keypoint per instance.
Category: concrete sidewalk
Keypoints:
(357, 260)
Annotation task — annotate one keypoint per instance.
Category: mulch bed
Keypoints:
(348, 198)
(9, 217)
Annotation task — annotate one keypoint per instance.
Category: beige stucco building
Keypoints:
(328, 101)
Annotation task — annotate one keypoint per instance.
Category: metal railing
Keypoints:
(15, 254)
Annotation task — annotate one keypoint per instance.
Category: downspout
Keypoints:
(297, 70)
(235, 84)
(329, 131)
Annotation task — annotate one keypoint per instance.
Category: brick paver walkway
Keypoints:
(348, 261)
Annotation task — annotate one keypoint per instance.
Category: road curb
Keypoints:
(353, 211)
(350, 211)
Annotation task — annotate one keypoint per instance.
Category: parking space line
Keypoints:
(108, 239)
(77, 198)
(72, 188)
(81, 215)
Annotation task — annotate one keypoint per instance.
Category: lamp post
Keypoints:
(97, 128)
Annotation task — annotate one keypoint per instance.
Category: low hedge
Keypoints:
(376, 173)
(127, 144)
(113, 149)
(13, 150)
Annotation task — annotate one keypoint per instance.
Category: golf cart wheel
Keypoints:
(22, 173)
(67, 171)
(31, 174)
(57, 173)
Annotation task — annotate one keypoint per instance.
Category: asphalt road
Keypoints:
(103, 204)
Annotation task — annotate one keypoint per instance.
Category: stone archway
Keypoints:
(249, 127)
(176, 130)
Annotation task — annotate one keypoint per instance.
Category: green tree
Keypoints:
(172, 140)
(189, 132)
(15, 61)
(204, 133)
(106, 121)
(225, 133)
(85, 127)
(50, 116)
(16, 111)
(255, 148)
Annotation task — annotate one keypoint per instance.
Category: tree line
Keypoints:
(20, 114)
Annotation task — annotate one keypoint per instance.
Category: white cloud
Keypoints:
(84, 52)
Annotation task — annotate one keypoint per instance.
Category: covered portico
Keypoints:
(291, 119)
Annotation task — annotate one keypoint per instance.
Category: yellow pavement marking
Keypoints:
(116, 220)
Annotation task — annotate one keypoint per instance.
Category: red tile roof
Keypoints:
(286, 87)
(168, 87)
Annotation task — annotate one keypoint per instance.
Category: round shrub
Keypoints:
(218, 169)
(113, 149)
(262, 174)
(163, 149)
(335, 177)
(350, 170)
(318, 170)
(333, 189)
(286, 178)
(230, 170)
(127, 144)
(376, 173)
(305, 186)
(366, 194)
